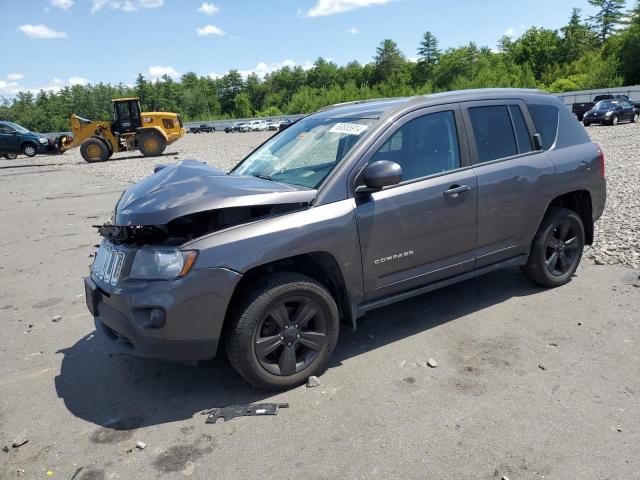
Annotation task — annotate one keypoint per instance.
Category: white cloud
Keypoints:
(353, 31)
(125, 6)
(53, 86)
(63, 4)
(209, 30)
(40, 31)
(9, 88)
(330, 7)
(510, 31)
(263, 68)
(78, 81)
(208, 8)
(12, 77)
(158, 71)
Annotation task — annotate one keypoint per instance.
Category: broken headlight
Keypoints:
(161, 263)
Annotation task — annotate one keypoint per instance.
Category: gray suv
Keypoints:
(354, 207)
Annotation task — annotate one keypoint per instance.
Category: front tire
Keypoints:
(29, 149)
(94, 150)
(615, 120)
(635, 118)
(151, 144)
(556, 249)
(284, 332)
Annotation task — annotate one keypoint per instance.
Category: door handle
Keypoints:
(455, 190)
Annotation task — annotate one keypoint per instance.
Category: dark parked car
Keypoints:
(611, 112)
(236, 127)
(284, 124)
(349, 209)
(203, 128)
(15, 139)
(580, 108)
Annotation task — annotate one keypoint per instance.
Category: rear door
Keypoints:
(512, 177)
(420, 230)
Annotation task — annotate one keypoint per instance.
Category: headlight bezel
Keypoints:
(43, 140)
(161, 263)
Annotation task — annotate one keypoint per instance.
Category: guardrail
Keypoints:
(222, 124)
(569, 98)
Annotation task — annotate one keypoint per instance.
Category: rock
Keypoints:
(504, 477)
(313, 381)
(56, 318)
(542, 366)
(141, 445)
(5, 449)
(432, 363)
(403, 363)
(20, 440)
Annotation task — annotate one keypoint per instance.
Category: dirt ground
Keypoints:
(530, 383)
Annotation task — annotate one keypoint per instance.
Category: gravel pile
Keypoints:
(617, 239)
(617, 236)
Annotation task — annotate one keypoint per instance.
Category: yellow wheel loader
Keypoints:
(130, 130)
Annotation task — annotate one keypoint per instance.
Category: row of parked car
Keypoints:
(259, 126)
(607, 110)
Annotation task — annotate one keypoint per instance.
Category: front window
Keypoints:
(604, 105)
(305, 153)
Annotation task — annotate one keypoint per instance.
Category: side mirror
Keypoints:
(537, 141)
(378, 175)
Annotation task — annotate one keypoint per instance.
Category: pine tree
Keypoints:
(609, 15)
(388, 61)
(428, 51)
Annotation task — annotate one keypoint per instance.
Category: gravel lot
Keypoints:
(530, 384)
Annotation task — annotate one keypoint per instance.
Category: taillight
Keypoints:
(601, 158)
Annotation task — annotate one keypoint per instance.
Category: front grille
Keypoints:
(108, 263)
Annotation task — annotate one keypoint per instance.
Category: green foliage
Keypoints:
(604, 53)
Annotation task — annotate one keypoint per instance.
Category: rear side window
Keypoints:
(545, 119)
(493, 132)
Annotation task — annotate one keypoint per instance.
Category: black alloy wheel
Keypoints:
(562, 251)
(290, 336)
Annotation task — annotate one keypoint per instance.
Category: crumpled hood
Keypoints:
(192, 186)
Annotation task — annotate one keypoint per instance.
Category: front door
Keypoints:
(9, 140)
(423, 229)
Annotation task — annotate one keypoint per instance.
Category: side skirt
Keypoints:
(361, 309)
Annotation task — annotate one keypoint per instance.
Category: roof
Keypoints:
(377, 108)
(124, 99)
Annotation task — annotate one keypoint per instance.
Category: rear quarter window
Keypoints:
(545, 119)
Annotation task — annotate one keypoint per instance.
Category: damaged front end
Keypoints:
(190, 199)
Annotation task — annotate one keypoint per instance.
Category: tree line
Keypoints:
(599, 51)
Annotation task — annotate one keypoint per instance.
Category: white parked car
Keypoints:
(258, 125)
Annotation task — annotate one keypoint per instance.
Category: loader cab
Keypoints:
(126, 115)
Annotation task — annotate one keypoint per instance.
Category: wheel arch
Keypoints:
(154, 129)
(320, 266)
(580, 202)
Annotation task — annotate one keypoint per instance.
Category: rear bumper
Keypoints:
(194, 309)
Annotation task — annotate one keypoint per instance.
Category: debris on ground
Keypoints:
(56, 318)
(313, 381)
(20, 440)
(5, 449)
(542, 366)
(432, 363)
(403, 363)
(141, 445)
(233, 411)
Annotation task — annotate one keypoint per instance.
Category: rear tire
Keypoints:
(151, 144)
(556, 249)
(586, 124)
(283, 332)
(30, 149)
(94, 150)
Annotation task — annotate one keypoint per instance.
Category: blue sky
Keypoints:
(52, 43)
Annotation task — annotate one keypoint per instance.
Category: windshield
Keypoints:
(605, 105)
(306, 152)
(18, 128)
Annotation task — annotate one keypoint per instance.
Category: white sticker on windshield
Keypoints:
(348, 128)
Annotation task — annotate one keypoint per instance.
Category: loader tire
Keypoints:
(94, 150)
(151, 144)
